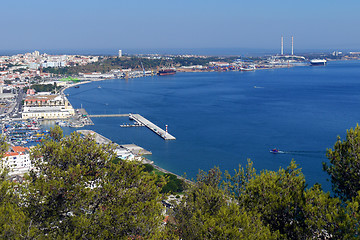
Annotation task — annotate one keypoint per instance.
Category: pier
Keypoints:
(143, 121)
(140, 122)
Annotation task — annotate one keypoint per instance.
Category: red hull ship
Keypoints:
(164, 72)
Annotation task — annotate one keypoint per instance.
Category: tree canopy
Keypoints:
(344, 166)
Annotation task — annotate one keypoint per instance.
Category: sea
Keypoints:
(223, 119)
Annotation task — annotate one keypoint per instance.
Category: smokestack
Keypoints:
(282, 45)
(292, 45)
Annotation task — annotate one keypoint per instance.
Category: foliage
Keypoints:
(173, 184)
(78, 192)
(44, 87)
(279, 197)
(148, 168)
(344, 166)
(285, 205)
(206, 212)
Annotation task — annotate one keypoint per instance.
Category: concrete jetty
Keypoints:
(134, 149)
(143, 121)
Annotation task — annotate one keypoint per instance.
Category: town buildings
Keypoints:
(47, 106)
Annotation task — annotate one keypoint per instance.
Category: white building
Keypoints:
(120, 53)
(49, 106)
(17, 159)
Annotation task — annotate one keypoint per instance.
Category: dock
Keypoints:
(143, 121)
(134, 149)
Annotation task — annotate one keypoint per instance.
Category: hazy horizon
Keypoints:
(173, 51)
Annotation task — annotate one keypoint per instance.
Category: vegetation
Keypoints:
(81, 191)
(43, 87)
(344, 168)
(173, 183)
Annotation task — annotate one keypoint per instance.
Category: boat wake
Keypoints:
(305, 153)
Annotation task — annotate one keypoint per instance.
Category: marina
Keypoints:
(21, 133)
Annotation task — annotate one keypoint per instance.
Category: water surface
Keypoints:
(222, 119)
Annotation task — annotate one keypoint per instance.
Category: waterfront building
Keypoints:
(17, 159)
(49, 106)
(120, 53)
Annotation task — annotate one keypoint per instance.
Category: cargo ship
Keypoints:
(317, 62)
(166, 71)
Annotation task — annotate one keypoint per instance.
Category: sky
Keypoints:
(186, 24)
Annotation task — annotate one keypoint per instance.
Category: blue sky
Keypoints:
(80, 24)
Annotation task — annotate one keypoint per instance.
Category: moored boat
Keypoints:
(318, 62)
(167, 71)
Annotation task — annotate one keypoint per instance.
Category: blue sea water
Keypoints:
(222, 119)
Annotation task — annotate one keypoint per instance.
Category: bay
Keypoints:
(222, 119)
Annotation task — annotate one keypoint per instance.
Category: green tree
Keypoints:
(325, 216)
(285, 205)
(344, 166)
(279, 197)
(173, 184)
(349, 224)
(206, 212)
(78, 192)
